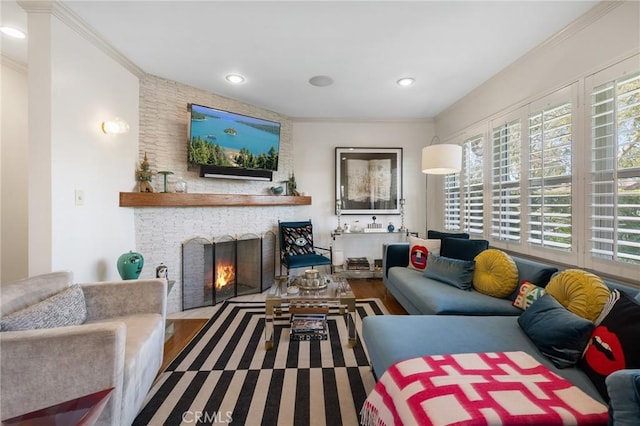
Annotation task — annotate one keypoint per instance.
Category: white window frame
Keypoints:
(613, 267)
(496, 236)
(566, 94)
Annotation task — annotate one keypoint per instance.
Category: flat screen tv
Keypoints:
(233, 146)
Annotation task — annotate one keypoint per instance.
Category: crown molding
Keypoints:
(73, 21)
(426, 120)
(7, 61)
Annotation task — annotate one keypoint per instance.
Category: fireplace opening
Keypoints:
(214, 271)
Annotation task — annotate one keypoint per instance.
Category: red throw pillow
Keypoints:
(615, 342)
(419, 249)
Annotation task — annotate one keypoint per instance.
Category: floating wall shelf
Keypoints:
(174, 199)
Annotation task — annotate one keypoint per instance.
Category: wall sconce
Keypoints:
(115, 126)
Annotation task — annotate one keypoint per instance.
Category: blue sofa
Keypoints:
(448, 320)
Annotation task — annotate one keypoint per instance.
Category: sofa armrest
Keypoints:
(111, 299)
(394, 254)
(623, 387)
(44, 367)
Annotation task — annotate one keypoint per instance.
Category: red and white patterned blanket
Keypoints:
(506, 388)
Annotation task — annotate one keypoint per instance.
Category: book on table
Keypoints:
(357, 263)
(309, 327)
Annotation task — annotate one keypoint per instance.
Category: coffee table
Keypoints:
(334, 292)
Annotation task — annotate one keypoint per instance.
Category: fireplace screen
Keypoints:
(214, 271)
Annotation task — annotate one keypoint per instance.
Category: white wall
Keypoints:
(14, 170)
(607, 34)
(89, 87)
(73, 87)
(314, 143)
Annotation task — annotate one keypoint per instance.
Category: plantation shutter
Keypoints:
(615, 170)
(505, 182)
(549, 190)
(472, 184)
(452, 202)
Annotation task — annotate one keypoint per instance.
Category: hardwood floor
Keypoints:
(186, 328)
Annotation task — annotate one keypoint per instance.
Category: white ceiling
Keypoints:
(449, 47)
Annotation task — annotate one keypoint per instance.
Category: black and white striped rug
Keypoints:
(225, 375)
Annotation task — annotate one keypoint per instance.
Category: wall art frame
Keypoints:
(368, 180)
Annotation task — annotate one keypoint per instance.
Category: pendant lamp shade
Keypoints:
(441, 159)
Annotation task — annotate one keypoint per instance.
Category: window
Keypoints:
(505, 182)
(615, 170)
(549, 186)
(472, 183)
(452, 202)
(464, 193)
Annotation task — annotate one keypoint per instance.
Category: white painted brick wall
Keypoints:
(163, 136)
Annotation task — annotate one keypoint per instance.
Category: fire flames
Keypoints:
(225, 274)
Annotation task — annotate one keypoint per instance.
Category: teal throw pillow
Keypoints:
(458, 248)
(455, 272)
(557, 332)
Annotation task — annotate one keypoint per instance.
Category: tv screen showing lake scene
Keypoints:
(222, 138)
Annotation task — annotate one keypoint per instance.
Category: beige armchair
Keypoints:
(118, 344)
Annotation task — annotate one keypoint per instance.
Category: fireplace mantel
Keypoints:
(174, 199)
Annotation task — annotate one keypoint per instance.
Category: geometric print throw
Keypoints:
(225, 375)
(506, 388)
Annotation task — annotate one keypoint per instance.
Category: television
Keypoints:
(233, 146)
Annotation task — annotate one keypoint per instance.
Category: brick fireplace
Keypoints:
(225, 267)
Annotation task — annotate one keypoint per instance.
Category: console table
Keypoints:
(362, 244)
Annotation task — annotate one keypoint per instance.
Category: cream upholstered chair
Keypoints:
(61, 341)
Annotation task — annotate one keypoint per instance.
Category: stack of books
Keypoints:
(309, 327)
(358, 263)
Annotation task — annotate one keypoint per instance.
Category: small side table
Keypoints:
(83, 411)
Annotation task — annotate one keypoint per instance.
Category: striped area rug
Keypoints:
(225, 375)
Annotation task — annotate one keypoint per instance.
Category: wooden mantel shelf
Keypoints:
(173, 199)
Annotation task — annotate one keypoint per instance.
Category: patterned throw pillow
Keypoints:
(615, 342)
(62, 309)
(298, 240)
(419, 249)
(527, 294)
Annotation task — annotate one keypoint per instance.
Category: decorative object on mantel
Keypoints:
(276, 190)
(165, 173)
(292, 186)
(144, 175)
(130, 265)
(390, 227)
(180, 185)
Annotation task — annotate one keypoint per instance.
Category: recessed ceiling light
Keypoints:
(406, 81)
(13, 32)
(321, 81)
(234, 78)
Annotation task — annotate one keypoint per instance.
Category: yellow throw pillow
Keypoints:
(581, 292)
(496, 274)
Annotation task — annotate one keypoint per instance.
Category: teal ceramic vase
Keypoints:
(130, 265)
